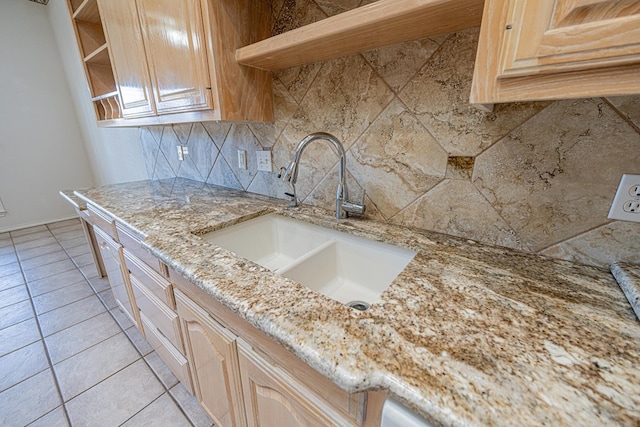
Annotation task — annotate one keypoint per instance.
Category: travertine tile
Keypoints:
(163, 411)
(190, 406)
(265, 133)
(442, 209)
(334, 7)
(217, 131)
(81, 336)
(182, 130)
(543, 189)
(389, 160)
(187, 169)
(69, 315)
(221, 174)
(398, 63)
(269, 184)
(29, 400)
(240, 137)
(285, 106)
(346, 96)
(460, 168)
(22, 364)
(18, 336)
(11, 281)
(52, 283)
(55, 418)
(615, 241)
(202, 150)
(629, 106)
(150, 148)
(115, 399)
(439, 97)
(61, 297)
(163, 169)
(168, 146)
(48, 270)
(87, 368)
(15, 313)
(161, 369)
(13, 295)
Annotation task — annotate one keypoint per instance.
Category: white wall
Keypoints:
(115, 155)
(41, 147)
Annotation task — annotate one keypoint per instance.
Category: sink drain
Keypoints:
(359, 305)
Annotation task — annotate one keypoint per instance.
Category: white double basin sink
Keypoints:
(347, 268)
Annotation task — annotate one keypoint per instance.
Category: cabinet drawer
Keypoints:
(158, 285)
(133, 243)
(167, 352)
(161, 316)
(102, 220)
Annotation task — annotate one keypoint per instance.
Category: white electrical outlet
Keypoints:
(626, 204)
(264, 160)
(242, 159)
(183, 150)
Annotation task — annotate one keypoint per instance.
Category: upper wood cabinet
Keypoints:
(550, 49)
(173, 61)
(124, 34)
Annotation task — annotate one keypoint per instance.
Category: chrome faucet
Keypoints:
(343, 206)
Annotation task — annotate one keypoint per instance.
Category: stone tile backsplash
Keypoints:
(535, 176)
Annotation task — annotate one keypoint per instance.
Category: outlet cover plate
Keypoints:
(242, 159)
(626, 196)
(264, 161)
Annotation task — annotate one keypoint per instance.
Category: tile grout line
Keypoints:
(44, 346)
(142, 357)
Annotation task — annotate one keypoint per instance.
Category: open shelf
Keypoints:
(99, 57)
(87, 12)
(378, 24)
(91, 36)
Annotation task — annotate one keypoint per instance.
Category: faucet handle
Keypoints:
(355, 208)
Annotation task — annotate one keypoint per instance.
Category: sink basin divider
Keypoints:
(306, 256)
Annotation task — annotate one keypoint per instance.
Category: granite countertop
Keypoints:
(467, 334)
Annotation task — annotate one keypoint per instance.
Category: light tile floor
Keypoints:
(68, 357)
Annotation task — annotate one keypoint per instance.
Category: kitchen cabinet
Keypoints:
(273, 398)
(173, 61)
(118, 276)
(212, 354)
(550, 49)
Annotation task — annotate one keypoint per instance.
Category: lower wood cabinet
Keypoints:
(273, 398)
(212, 354)
(118, 275)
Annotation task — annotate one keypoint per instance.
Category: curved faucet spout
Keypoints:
(290, 174)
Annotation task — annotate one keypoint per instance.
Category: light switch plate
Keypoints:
(264, 161)
(242, 159)
(626, 204)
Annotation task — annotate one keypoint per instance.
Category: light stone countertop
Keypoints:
(467, 334)
(628, 277)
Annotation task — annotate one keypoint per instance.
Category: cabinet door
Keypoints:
(273, 398)
(113, 262)
(212, 355)
(174, 38)
(124, 37)
(550, 49)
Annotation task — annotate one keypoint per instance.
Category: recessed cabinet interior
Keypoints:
(550, 49)
(172, 61)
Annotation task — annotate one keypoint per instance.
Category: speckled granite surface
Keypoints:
(628, 278)
(467, 334)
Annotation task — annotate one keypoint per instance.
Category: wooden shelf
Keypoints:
(90, 35)
(378, 24)
(87, 12)
(99, 57)
(106, 95)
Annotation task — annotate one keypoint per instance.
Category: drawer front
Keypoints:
(172, 357)
(154, 282)
(132, 242)
(103, 221)
(161, 316)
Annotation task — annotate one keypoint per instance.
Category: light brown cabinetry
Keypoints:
(172, 61)
(95, 58)
(273, 398)
(113, 260)
(548, 49)
(212, 354)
